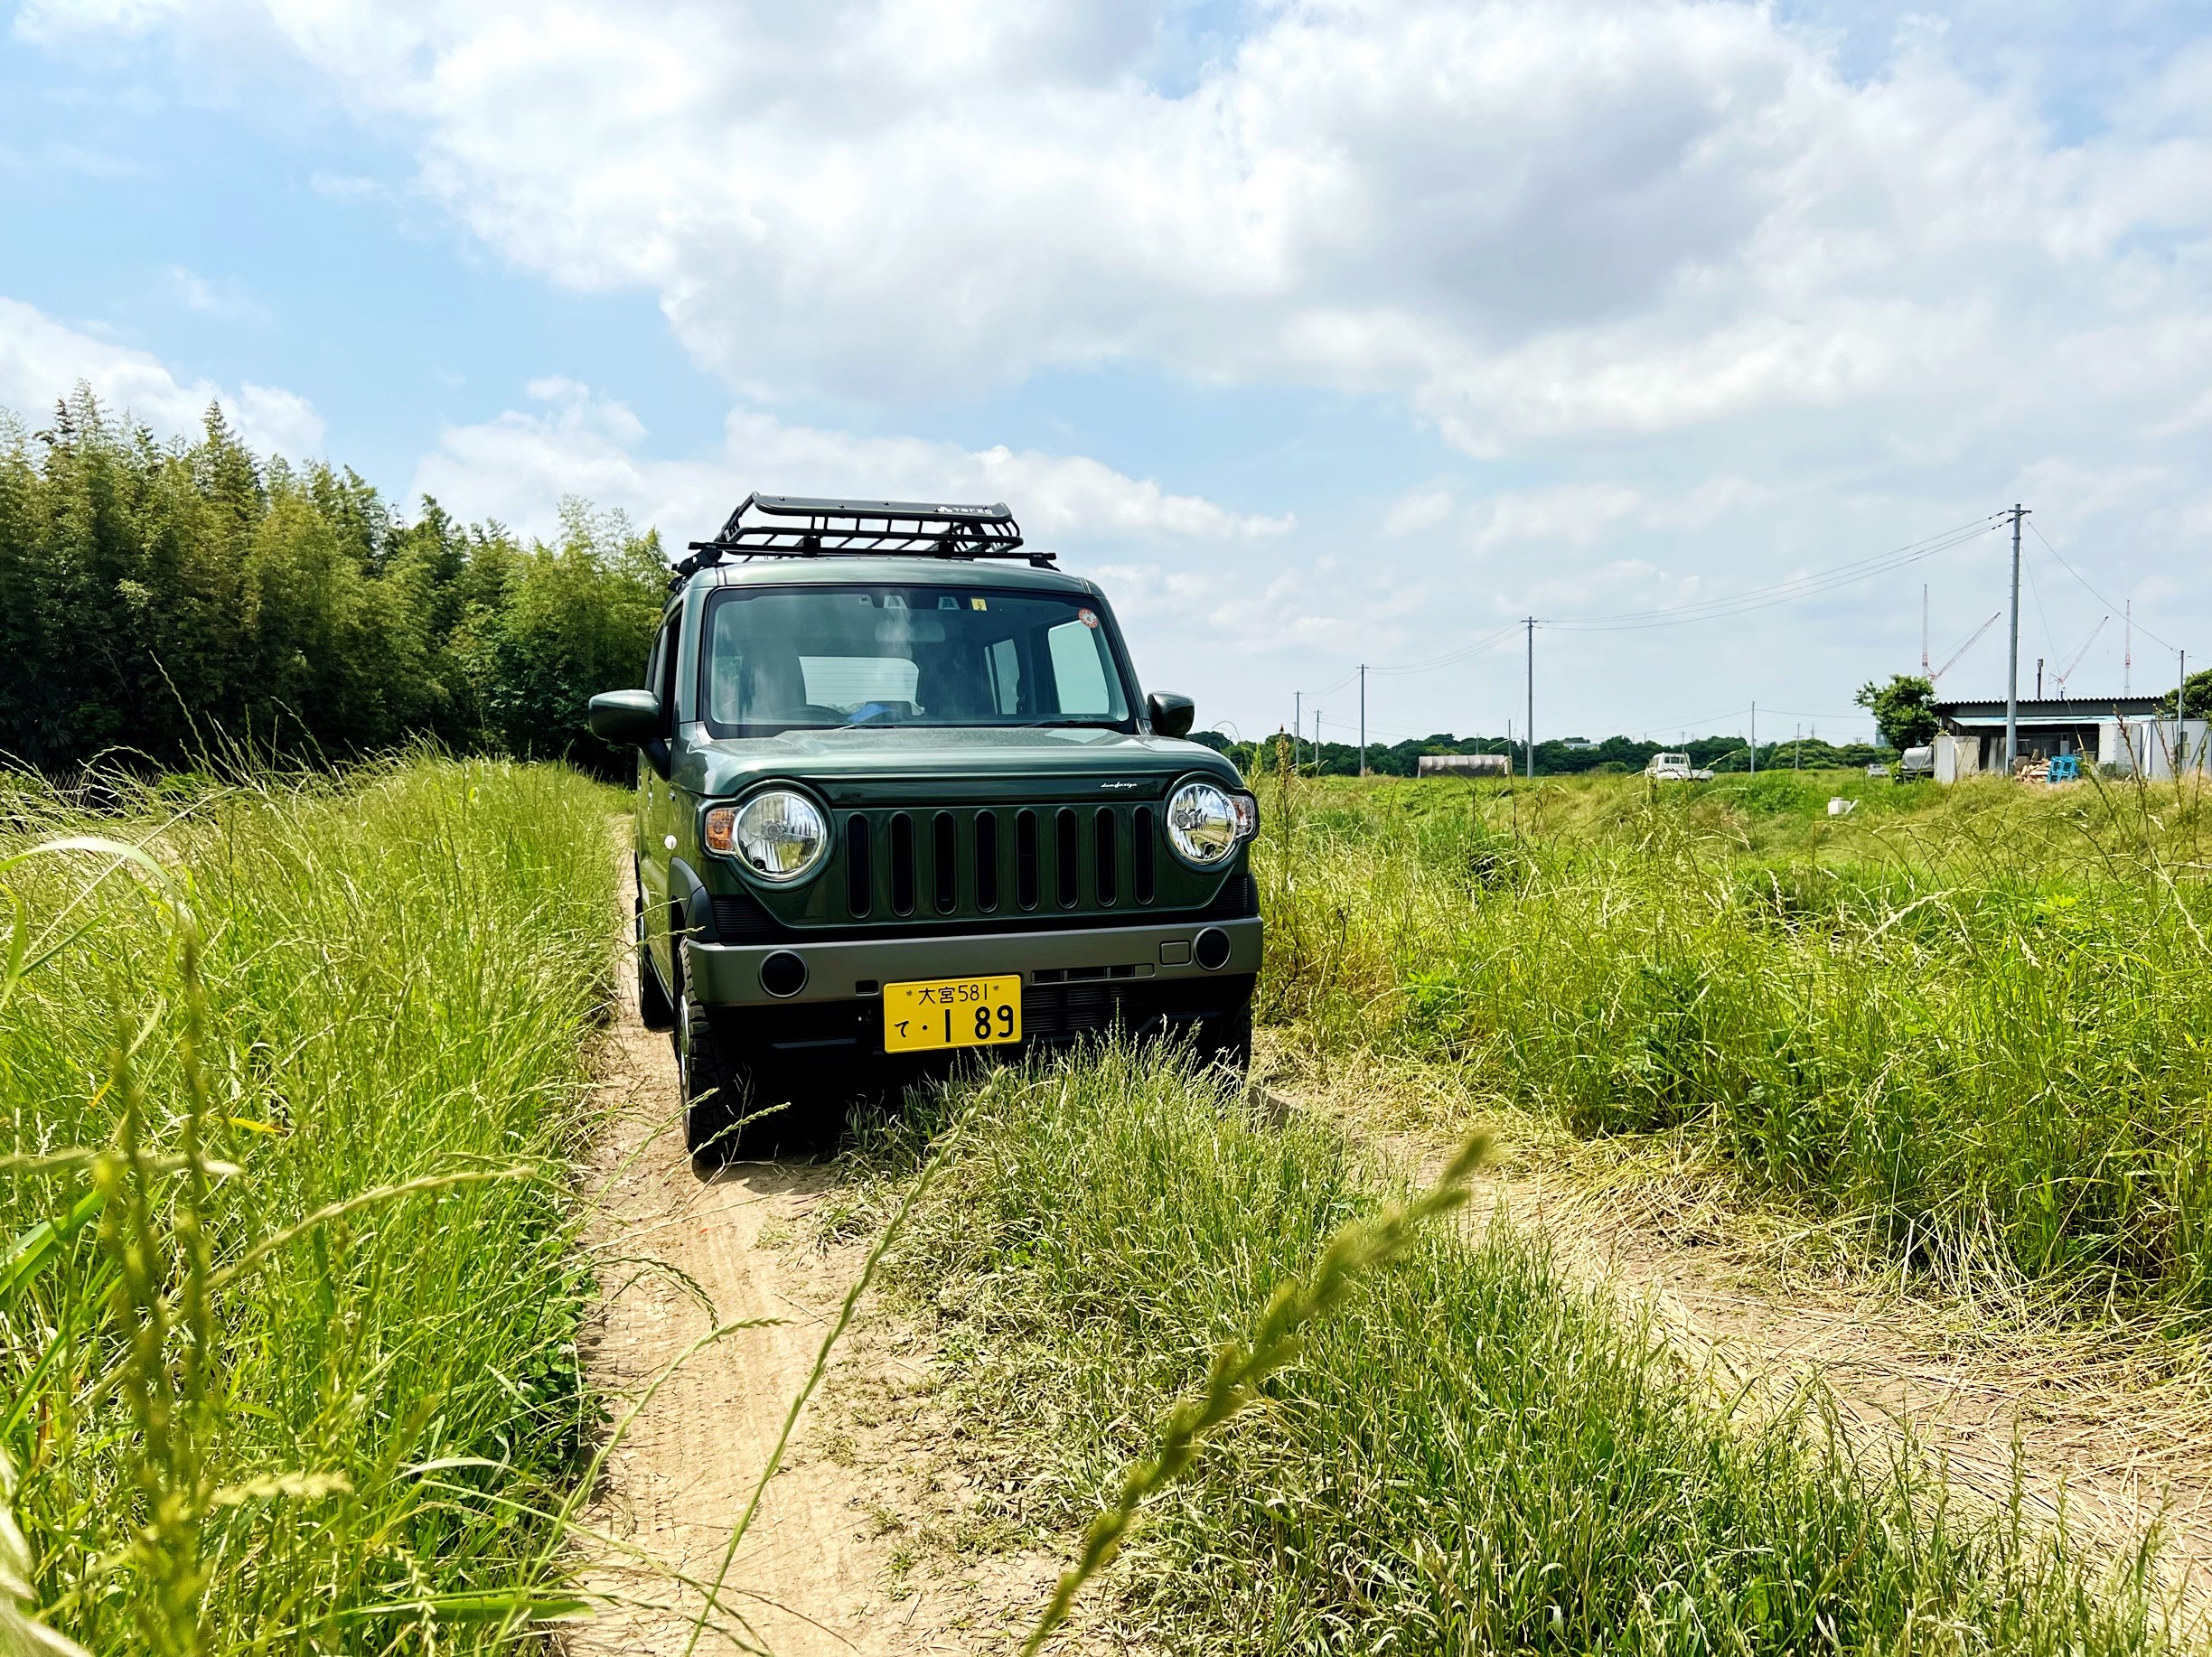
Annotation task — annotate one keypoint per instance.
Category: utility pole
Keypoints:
(1531, 698)
(2013, 662)
(2039, 679)
(1754, 739)
(1797, 746)
(1362, 771)
(1924, 631)
(2127, 653)
(1316, 742)
(1298, 730)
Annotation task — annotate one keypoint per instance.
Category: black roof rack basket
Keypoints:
(800, 527)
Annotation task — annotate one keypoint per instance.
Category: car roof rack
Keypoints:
(803, 527)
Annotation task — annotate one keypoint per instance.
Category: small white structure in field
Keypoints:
(1463, 765)
(1840, 807)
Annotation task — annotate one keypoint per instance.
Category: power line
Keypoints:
(1464, 652)
(2092, 592)
(1782, 592)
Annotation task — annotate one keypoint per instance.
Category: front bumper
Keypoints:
(729, 975)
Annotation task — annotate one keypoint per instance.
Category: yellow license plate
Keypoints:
(951, 1013)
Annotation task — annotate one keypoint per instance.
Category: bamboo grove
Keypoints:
(157, 599)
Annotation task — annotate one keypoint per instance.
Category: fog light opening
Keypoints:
(784, 974)
(1211, 949)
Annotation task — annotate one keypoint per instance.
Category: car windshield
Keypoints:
(817, 658)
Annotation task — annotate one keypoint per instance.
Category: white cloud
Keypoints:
(218, 299)
(1532, 218)
(517, 467)
(1417, 512)
(40, 360)
(43, 20)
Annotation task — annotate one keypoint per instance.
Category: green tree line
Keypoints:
(1554, 759)
(160, 599)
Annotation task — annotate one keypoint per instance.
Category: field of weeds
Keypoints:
(289, 1306)
(1971, 1022)
(1470, 1453)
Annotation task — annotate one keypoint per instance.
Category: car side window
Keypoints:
(1078, 673)
(1005, 663)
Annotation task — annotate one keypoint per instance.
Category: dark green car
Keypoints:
(903, 802)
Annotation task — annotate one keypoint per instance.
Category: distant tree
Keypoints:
(1904, 709)
(2197, 701)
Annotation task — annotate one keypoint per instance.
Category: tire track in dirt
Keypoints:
(835, 1561)
(2103, 1435)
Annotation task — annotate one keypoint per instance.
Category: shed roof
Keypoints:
(2049, 710)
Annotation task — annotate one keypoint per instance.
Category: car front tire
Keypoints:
(1225, 1040)
(655, 1010)
(712, 1086)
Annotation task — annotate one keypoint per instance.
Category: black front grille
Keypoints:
(955, 869)
(952, 864)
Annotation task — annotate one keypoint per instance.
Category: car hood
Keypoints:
(866, 765)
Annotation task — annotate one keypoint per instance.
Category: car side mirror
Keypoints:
(624, 717)
(1171, 714)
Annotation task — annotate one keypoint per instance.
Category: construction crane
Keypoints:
(1972, 639)
(2067, 672)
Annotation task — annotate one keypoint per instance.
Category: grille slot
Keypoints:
(986, 861)
(739, 919)
(1068, 855)
(1105, 857)
(944, 854)
(902, 864)
(859, 869)
(1026, 859)
(1238, 900)
(1140, 855)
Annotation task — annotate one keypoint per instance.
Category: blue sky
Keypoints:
(1321, 332)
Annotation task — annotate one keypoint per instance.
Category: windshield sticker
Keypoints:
(1089, 618)
(977, 604)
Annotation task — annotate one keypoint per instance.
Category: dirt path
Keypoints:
(843, 1556)
(2100, 1434)
(2089, 1431)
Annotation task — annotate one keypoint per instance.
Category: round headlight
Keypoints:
(1204, 824)
(779, 834)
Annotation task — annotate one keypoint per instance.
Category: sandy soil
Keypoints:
(2084, 1434)
(858, 1544)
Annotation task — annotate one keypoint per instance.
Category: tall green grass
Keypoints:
(288, 1324)
(1466, 1455)
(1976, 1018)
